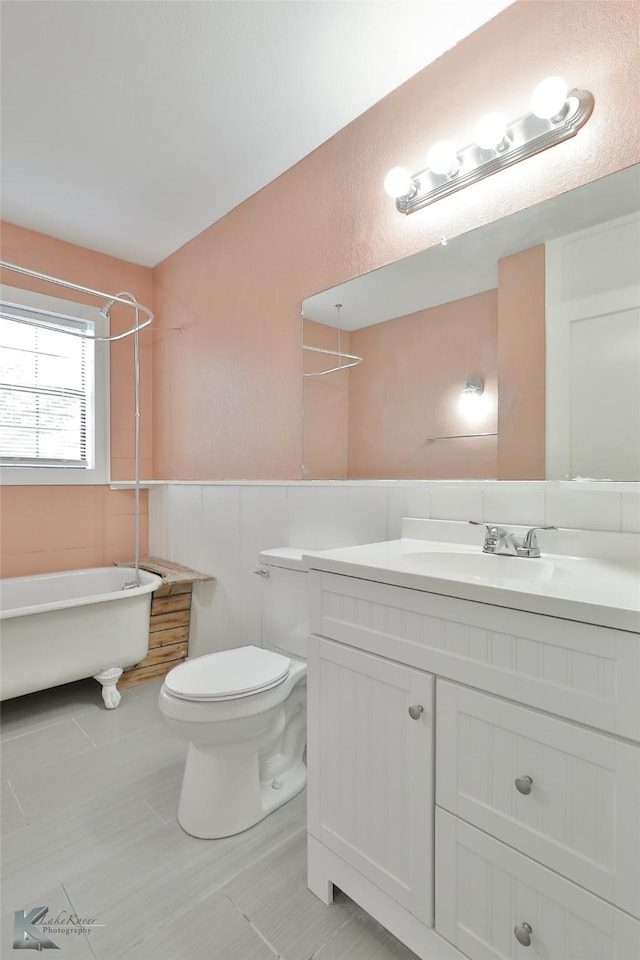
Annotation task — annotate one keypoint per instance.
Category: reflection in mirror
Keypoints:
(539, 313)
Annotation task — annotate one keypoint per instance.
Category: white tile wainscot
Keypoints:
(220, 526)
(504, 812)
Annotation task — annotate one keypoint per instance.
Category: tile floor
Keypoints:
(88, 827)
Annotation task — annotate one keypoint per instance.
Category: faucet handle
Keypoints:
(493, 530)
(493, 537)
(530, 539)
(530, 546)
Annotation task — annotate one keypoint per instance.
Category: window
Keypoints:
(53, 391)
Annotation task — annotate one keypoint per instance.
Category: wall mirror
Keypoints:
(510, 352)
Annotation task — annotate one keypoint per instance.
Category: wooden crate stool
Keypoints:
(168, 622)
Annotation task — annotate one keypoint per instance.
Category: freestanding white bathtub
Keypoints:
(60, 627)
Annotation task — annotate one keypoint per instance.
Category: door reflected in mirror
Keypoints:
(539, 313)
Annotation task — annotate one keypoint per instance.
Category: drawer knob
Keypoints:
(523, 934)
(524, 784)
(414, 712)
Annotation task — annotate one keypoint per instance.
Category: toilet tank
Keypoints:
(284, 601)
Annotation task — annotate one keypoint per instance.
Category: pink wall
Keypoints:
(45, 529)
(409, 388)
(521, 365)
(61, 527)
(228, 391)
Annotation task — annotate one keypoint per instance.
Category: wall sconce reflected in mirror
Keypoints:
(556, 114)
(473, 401)
(473, 405)
(473, 390)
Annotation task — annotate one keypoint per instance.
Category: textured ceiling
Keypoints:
(129, 127)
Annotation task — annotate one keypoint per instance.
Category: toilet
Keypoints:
(243, 712)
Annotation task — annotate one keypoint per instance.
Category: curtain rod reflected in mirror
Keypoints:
(480, 306)
(353, 360)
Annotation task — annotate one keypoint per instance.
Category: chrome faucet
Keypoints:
(504, 544)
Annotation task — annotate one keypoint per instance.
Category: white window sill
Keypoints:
(25, 477)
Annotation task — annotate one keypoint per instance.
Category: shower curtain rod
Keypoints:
(119, 298)
(332, 353)
(129, 300)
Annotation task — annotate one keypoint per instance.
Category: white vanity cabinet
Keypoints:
(530, 839)
(371, 740)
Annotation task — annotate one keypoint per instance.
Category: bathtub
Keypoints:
(60, 627)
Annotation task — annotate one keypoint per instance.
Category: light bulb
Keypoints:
(491, 131)
(549, 97)
(473, 400)
(442, 158)
(398, 182)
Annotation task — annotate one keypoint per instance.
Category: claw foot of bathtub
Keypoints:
(110, 692)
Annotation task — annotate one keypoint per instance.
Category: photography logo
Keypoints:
(31, 929)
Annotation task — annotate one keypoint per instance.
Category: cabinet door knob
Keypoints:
(414, 712)
(523, 934)
(524, 784)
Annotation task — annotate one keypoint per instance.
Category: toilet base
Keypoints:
(220, 799)
(283, 788)
(229, 787)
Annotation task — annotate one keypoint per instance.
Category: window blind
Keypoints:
(46, 390)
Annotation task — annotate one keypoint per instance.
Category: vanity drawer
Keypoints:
(485, 890)
(576, 670)
(580, 813)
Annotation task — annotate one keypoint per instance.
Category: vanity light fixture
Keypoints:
(556, 114)
(443, 159)
(491, 133)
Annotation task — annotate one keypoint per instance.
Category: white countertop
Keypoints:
(602, 591)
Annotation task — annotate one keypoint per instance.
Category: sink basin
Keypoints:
(486, 568)
(576, 586)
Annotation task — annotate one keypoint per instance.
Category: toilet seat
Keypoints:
(227, 675)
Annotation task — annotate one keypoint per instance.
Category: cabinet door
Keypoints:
(493, 904)
(371, 769)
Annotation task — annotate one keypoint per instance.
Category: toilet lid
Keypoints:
(227, 674)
